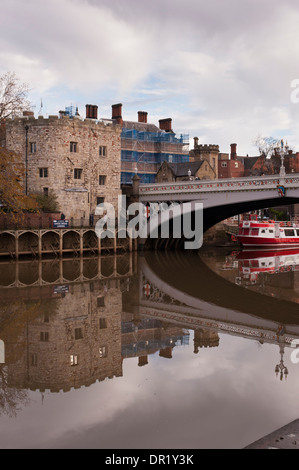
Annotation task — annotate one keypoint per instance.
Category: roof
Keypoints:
(140, 126)
(181, 169)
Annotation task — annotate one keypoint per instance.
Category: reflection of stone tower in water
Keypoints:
(205, 339)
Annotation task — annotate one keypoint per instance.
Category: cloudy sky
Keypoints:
(221, 69)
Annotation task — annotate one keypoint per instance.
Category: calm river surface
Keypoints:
(149, 351)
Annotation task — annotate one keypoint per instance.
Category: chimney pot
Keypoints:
(233, 151)
(142, 116)
(166, 124)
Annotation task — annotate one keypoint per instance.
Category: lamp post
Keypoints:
(281, 367)
(26, 161)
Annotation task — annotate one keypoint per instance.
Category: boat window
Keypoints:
(271, 231)
(254, 231)
(263, 231)
(289, 232)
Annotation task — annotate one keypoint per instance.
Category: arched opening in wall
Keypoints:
(71, 269)
(107, 243)
(50, 243)
(28, 273)
(71, 241)
(7, 274)
(107, 266)
(51, 271)
(90, 241)
(122, 240)
(7, 244)
(28, 244)
(123, 264)
(90, 268)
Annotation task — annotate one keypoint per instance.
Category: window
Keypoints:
(34, 360)
(78, 333)
(102, 151)
(236, 165)
(44, 336)
(289, 232)
(73, 146)
(46, 191)
(43, 172)
(103, 351)
(224, 164)
(214, 162)
(170, 158)
(102, 180)
(101, 301)
(32, 147)
(103, 323)
(74, 360)
(254, 231)
(78, 173)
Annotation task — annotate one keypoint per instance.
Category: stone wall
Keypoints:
(49, 146)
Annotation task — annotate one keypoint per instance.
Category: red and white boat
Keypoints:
(267, 234)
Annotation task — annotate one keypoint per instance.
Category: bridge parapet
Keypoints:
(220, 185)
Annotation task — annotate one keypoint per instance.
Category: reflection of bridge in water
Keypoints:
(182, 290)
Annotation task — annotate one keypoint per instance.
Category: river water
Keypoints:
(148, 351)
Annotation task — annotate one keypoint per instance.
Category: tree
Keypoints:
(47, 202)
(13, 101)
(266, 145)
(13, 96)
(12, 195)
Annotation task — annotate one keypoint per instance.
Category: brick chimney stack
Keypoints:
(142, 116)
(91, 111)
(233, 151)
(117, 113)
(165, 124)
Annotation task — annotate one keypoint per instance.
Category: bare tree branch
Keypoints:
(13, 96)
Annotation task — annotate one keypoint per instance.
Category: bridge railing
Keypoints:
(219, 185)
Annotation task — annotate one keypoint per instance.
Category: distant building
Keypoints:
(209, 153)
(198, 170)
(236, 166)
(145, 146)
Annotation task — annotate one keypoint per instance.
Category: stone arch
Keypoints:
(7, 243)
(90, 241)
(123, 264)
(28, 273)
(71, 241)
(107, 243)
(28, 243)
(71, 269)
(90, 268)
(107, 266)
(50, 242)
(7, 274)
(50, 272)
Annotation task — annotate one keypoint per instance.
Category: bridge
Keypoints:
(224, 198)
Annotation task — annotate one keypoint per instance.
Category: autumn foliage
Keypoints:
(12, 194)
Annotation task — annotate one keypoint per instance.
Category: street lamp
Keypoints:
(281, 367)
(26, 161)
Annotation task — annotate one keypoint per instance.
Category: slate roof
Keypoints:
(140, 126)
(181, 169)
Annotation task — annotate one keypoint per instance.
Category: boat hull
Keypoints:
(268, 242)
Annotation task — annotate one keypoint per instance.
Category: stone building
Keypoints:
(78, 159)
(205, 152)
(198, 170)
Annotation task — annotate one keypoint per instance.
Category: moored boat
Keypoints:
(268, 234)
